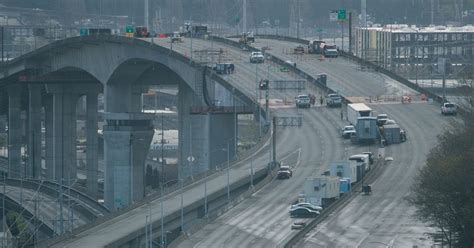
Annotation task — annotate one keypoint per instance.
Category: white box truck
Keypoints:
(356, 110)
(344, 169)
(321, 187)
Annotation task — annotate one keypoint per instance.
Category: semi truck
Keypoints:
(356, 110)
(367, 130)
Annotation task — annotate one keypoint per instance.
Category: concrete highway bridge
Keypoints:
(123, 67)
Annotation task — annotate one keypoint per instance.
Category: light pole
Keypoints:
(228, 177)
(251, 174)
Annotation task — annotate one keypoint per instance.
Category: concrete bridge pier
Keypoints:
(206, 139)
(14, 131)
(127, 137)
(48, 120)
(63, 132)
(92, 144)
(34, 134)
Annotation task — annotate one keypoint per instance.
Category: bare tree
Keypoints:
(444, 189)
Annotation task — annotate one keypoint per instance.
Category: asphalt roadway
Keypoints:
(263, 220)
(385, 218)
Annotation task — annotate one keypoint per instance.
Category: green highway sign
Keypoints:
(341, 15)
(129, 29)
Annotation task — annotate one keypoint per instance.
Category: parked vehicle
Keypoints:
(367, 129)
(299, 49)
(303, 101)
(330, 51)
(302, 212)
(316, 46)
(298, 225)
(141, 32)
(356, 110)
(306, 205)
(176, 37)
(224, 68)
(257, 57)
(449, 109)
(334, 100)
(284, 172)
(348, 131)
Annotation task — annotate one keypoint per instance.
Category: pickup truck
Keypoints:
(348, 131)
(303, 101)
(257, 57)
(334, 100)
(449, 109)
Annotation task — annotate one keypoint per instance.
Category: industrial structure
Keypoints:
(414, 51)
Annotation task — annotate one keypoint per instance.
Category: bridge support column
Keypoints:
(222, 137)
(34, 131)
(48, 117)
(14, 131)
(127, 139)
(92, 144)
(194, 139)
(64, 145)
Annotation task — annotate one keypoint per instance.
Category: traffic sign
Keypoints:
(84, 31)
(341, 15)
(129, 29)
(333, 15)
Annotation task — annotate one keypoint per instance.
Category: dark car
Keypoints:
(302, 212)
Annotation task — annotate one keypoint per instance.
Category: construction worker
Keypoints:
(321, 100)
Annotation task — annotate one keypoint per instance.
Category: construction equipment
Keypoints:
(247, 38)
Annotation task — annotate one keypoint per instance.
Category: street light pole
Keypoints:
(251, 174)
(162, 220)
(182, 209)
(205, 195)
(228, 179)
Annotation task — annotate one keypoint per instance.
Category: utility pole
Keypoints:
(244, 16)
(146, 16)
(350, 32)
(432, 11)
(363, 13)
(274, 140)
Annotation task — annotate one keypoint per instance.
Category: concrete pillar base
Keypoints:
(127, 138)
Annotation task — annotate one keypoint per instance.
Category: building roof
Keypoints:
(404, 28)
